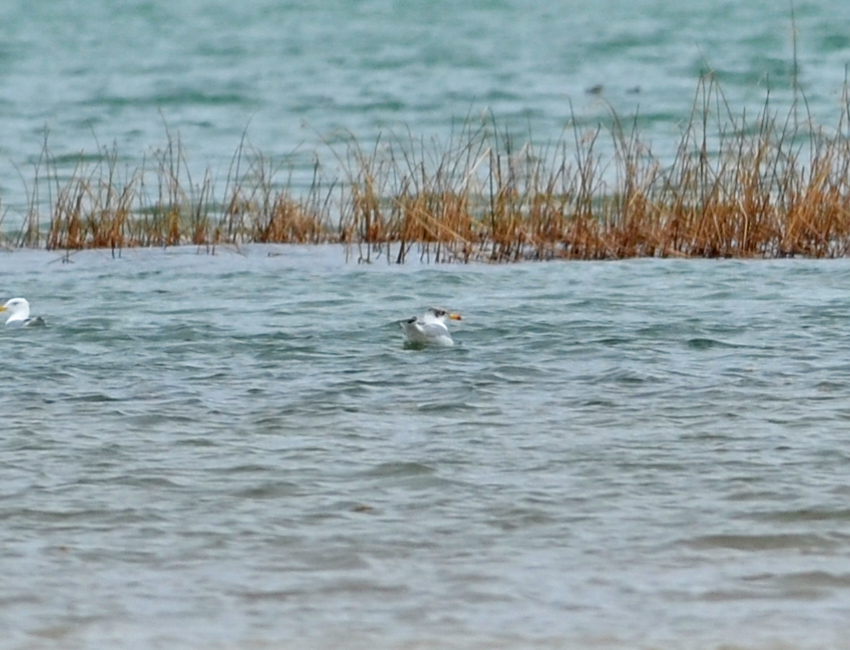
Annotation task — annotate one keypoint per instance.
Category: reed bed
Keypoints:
(756, 187)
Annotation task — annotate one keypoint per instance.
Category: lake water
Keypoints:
(235, 451)
(295, 77)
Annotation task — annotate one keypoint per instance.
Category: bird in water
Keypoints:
(19, 313)
(429, 328)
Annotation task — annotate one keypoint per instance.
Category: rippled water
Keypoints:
(295, 75)
(236, 451)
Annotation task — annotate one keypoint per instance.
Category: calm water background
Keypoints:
(235, 451)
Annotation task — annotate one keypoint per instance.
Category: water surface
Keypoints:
(236, 451)
(295, 78)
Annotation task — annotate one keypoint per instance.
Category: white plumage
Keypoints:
(429, 328)
(19, 313)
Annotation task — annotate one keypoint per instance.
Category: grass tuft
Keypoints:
(761, 186)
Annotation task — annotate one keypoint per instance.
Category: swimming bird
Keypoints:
(429, 328)
(19, 313)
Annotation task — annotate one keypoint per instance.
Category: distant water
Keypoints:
(295, 75)
(236, 451)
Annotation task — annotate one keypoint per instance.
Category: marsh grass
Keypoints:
(759, 186)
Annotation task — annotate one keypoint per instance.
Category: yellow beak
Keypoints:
(455, 317)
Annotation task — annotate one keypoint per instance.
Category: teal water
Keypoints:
(296, 76)
(237, 451)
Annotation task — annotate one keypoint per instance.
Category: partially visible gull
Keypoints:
(19, 313)
(429, 328)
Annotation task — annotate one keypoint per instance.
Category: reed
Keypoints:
(760, 186)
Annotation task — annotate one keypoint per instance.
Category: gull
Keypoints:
(19, 313)
(429, 328)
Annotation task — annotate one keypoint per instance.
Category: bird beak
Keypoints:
(455, 317)
(3, 307)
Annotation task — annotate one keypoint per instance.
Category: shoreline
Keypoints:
(764, 187)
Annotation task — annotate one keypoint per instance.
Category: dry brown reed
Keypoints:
(737, 186)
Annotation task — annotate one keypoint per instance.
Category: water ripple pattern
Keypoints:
(237, 451)
(295, 75)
